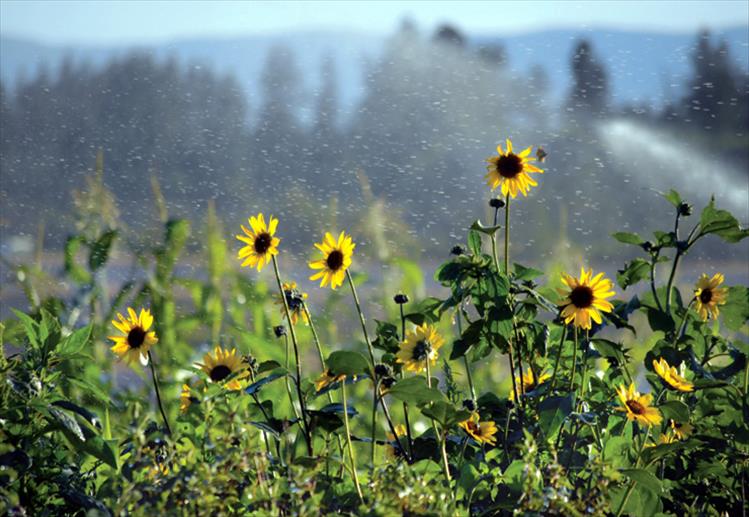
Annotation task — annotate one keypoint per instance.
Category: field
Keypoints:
(147, 378)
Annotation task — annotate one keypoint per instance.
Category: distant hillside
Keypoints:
(644, 67)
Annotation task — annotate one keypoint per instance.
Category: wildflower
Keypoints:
(511, 171)
(419, 346)
(136, 339)
(295, 300)
(585, 298)
(638, 407)
(400, 430)
(670, 376)
(326, 378)
(666, 438)
(186, 399)
(336, 259)
(530, 381)
(222, 364)
(681, 430)
(708, 295)
(261, 244)
(482, 432)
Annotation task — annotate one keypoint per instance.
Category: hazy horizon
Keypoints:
(145, 23)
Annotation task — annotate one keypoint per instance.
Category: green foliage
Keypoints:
(82, 432)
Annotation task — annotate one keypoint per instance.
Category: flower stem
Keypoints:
(288, 384)
(585, 365)
(370, 349)
(632, 483)
(574, 363)
(439, 435)
(507, 234)
(465, 358)
(405, 406)
(352, 457)
(559, 356)
(305, 425)
(315, 337)
(158, 395)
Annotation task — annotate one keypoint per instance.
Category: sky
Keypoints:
(127, 22)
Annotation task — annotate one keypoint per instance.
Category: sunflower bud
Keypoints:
(457, 250)
(469, 404)
(383, 370)
(386, 383)
(682, 246)
(541, 154)
(279, 331)
(496, 203)
(647, 246)
(400, 298)
(685, 209)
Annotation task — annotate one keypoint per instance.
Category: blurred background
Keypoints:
(373, 117)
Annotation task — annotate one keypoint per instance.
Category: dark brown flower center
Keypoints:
(706, 295)
(474, 427)
(136, 337)
(676, 425)
(219, 372)
(635, 407)
(262, 243)
(421, 350)
(509, 166)
(582, 297)
(334, 260)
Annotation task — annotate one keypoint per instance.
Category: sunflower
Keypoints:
(222, 364)
(708, 295)
(295, 299)
(400, 430)
(512, 171)
(336, 259)
(670, 376)
(186, 398)
(585, 297)
(261, 244)
(482, 432)
(681, 430)
(326, 379)
(419, 345)
(638, 406)
(136, 338)
(530, 382)
(667, 438)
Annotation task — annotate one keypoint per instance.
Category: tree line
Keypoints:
(431, 112)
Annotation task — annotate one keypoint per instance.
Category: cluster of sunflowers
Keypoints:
(503, 314)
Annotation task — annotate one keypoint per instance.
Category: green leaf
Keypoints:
(675, 410)
(552, 412)
(736, 310)
(673, 197)
(29, 326)
(445, 413)
(347, 362)
(722, 223)
(255, 386)
(645, 479)
(72, 268)
(100, 250)
(75, 342)
(628, 238)
(488, 230)
(525, 273)
(474, 242)
(633, 272)
(387, 337)
(414, 391)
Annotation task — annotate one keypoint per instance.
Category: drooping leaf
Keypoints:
(721, 223)
(414, 391)
(628, 238)
(347, 362)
